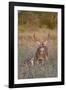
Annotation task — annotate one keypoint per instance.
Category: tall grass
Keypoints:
(27, 48)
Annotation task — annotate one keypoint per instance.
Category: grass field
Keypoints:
(26, 50)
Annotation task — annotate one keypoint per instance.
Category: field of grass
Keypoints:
(26, 50)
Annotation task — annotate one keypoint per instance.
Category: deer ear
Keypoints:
(38, 42)
(46, 43)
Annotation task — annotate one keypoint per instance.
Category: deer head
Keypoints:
(41, 42)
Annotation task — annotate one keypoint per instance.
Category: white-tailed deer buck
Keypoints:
(42, 51)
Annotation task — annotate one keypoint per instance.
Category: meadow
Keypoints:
(34, 26)
(27, 48)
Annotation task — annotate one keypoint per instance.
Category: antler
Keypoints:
(46, 42)
(34, 37)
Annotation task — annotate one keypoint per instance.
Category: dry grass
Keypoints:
(26, 50)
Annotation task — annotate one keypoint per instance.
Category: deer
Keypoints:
(41, 53)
